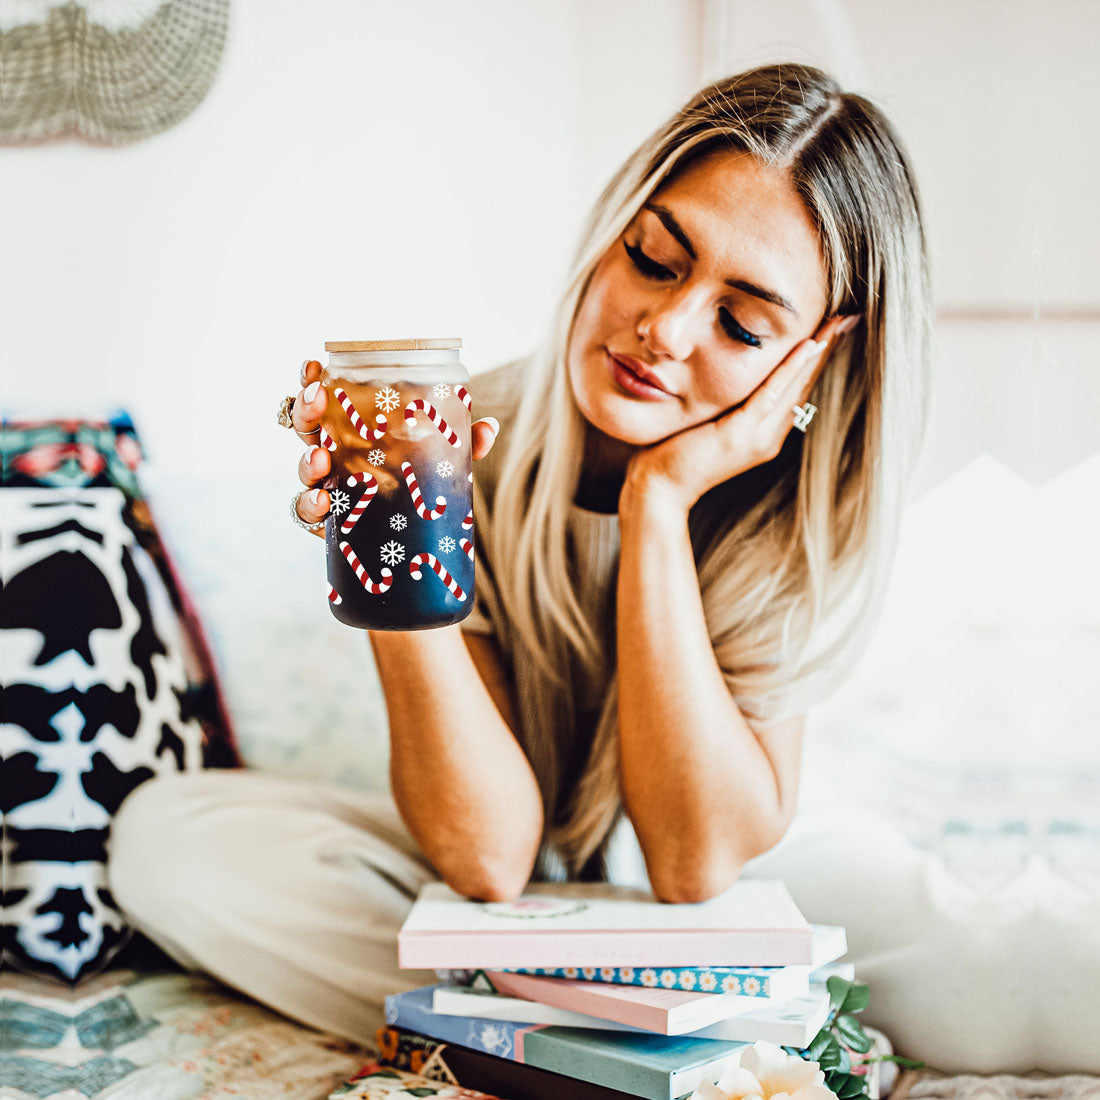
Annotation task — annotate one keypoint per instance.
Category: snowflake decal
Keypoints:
(441, 391)
(387, 399)
(393, 553)
(446, 545)
(340, 501)
(398, 522)
(376, 457)
(444, 468)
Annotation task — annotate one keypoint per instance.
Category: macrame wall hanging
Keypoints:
(107, 71)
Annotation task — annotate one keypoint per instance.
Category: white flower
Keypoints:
(687, 980)
(769, 1073)
(588, 972)
(668, 978)
(649, 977)
(751, 986)
(626, 975)
(708, 981)
(570, 971)
(731, 983)
(607, 973)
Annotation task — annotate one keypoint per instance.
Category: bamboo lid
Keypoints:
(393, 345)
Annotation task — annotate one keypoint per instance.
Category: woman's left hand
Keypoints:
(685, 465)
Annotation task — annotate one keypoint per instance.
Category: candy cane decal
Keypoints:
(369, 434)
(418, 501)
(376, 588)
(468, 546)
(468, 522)
(440, 571)
(463, 395)
(327, 441)
(334, 596)
(352, 518)
(430, 411)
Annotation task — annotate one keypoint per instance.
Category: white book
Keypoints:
(754, 923)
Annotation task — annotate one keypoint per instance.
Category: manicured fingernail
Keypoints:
(848, 324)
(818, 345)
(309, 453)
(314, 496)
(492, 420)
(311, 391)
(302, 372)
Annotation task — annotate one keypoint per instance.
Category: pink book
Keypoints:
(754, 923)
(666, 1011)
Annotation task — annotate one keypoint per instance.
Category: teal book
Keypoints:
(657, 1067)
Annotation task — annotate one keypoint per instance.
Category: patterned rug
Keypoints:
(171, 1036)
(925, 1085)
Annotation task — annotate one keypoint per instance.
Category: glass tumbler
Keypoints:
(399, 535)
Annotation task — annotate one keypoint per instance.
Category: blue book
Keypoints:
(657, 1067)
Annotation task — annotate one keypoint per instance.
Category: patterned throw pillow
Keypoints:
(106, 681)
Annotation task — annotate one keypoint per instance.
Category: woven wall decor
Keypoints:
(108, 71)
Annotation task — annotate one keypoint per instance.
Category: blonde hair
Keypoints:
(793, 556)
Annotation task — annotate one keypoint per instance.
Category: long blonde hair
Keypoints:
(793, 557)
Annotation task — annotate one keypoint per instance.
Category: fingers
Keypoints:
(313, 506)
(310, 403)
(314, 465)
(310, 372)
(484, 433)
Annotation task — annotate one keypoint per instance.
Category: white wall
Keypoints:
(358, 170)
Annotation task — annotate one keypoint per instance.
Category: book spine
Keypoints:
(702, 947)
(477, 1070)
(502, 1038)
(742, 981)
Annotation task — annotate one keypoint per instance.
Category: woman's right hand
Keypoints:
(316, 464)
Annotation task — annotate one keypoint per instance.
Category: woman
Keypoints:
(674, 563)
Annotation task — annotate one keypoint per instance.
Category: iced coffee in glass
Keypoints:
(399, 535)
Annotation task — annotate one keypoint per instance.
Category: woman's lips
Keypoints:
(634, 384)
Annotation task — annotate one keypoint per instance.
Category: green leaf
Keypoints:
(830, 1057)
(853, 1086)
(905, 1063)
(838, 990)
(821, 1042)
(857, 998)
(852, 1034)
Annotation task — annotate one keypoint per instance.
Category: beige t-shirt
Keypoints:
(595, 537)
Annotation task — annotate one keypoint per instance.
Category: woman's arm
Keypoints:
(460, 780)
(705, 791)
(459, 777)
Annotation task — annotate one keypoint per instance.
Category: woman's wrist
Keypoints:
(647, 495)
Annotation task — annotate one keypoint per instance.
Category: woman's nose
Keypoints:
(670, 329)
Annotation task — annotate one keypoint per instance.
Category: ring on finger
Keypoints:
(803, 414)
(285, 418)
(301, 522)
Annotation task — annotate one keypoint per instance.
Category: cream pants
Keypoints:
(293, 893)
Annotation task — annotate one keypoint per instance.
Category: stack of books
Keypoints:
(594, 991)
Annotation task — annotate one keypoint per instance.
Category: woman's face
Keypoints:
(710, 286)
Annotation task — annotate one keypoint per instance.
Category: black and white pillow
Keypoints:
(106, 683)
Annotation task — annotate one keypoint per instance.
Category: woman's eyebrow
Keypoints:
(677, 230)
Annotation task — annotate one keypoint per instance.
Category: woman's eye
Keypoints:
(734, 330)
(650, 268)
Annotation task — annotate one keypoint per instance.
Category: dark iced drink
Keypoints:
(399, 536)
